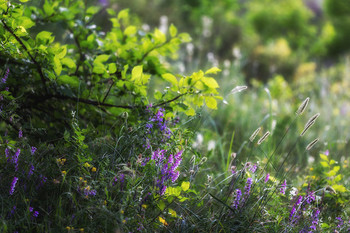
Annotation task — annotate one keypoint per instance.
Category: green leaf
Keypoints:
(210, 82)
(123, 14)
(324, 164)
(130, 30)
(213, 70)
(48, 8)
(57, 66)
(159, 36)
(170, 78)
(339, 188)
(70, 80)
(92, 10)
(185, 38)
(337, 178)
(68, 62)
(211, 102)
(101, 58)
(26, 22)
(23, 0)
(324, 225)
(185, 185)
(172, 30)
(99, 68)
(336, 168)
(324, 157)
(161, 205)
(112, 68)
(172, 213)
(63, 52)
(43, 36)
(158, 95)
(136, 73)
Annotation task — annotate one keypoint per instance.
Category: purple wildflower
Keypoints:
(13, 185)
(248, 186)
(33, 149)
(7, 153)
(294, 209)
(31, 170)
(253, 168)
(162, 190)
(4, 79)
(267, 177)
(20, 134)
(326, 152)
(15, 158)
(310, 197)
(340, 222)
(314, 222)
(238, 198)
(36, 214)
(283, 187)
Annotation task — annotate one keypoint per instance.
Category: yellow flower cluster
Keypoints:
(61, 161)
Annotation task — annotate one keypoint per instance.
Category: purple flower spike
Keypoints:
(13, 185)
(267, 177)
(253, 168)
(248, 186)
(283, 187)
(20, 134)
(238, 198)
(33, 150)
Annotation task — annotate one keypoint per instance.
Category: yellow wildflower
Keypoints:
(105, 202)
(93, 169)
(87, 165)
(144, 206)
(64, 172)
(122, 211)
(311, 168)
(68, 228)
(124, 221)
(81, 229)
(162, 220)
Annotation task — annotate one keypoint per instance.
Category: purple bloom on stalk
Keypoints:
(31, 209)
(267, 177)
(326, 152)
(283, 187)
(162, 190)
(105, 3)
(20, 134)
(4, 79)
(33, 149)
(248, 186)
(315, 215)
(31, 170)
(294, 209)
(310, 197)
(340, 222)
(238, 198)
(253, 168)
(13, 185)
(36, 213)
(7, 152)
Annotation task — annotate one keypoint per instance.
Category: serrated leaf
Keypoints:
(213, 70)
(172, 30)
(185, 185)
(210, 82)
(324, 157)
(170, 78)
(68, 62)
(211, 102)
(57, 66)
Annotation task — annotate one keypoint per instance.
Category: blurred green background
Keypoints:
(284, 51)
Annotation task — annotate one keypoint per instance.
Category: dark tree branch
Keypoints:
(109, 89)
(169, 101)
(38, 67)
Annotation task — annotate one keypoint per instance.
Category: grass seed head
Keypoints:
(263, 137)
(303, 106)
(311, 144)
(254, 134)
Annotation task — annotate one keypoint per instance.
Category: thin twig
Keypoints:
(38, 67)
